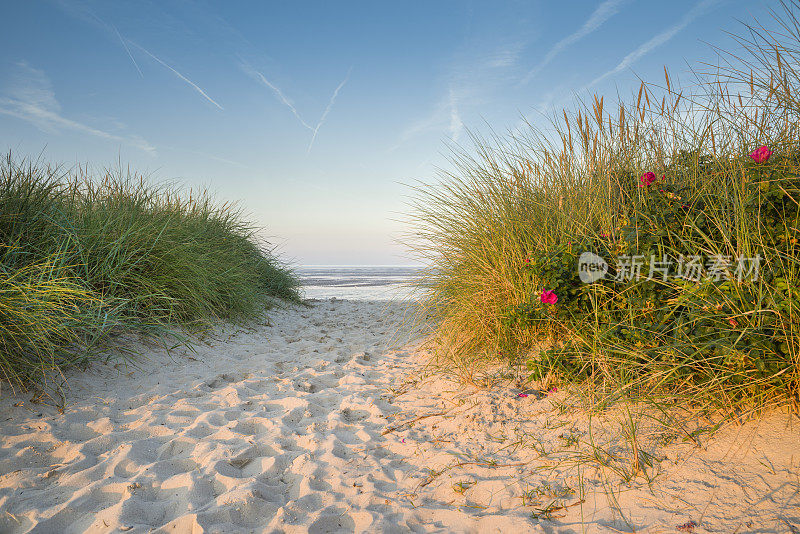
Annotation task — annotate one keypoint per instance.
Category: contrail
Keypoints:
(179, 75)
(125, 46)
(278, 93)
(328, 109)
(604, 11)
(103, 25)
(288, 103)
(656, 41)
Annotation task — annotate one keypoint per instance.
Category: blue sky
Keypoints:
(315, 114)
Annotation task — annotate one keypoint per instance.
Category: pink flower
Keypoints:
(552, 390)
(761, 154)
(647, 179)
(548, 297)
(527, 260)
(522, 395)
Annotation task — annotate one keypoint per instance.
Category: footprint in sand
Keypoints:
(308, 387)
(332, 520)
(354, 416)
(225, 379)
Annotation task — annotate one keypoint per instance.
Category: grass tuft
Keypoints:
(83, 258)
(512, 218)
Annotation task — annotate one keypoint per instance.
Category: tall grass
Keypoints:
(513, 216)
(83, 258)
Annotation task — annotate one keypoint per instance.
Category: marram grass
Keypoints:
(83, 259)
(503, 232)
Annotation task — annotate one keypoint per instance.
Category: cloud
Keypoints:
(456, 125)
(503, 57)
(446, 116)
(178, 74)
(699, 9)
(469, 82)
(30, 97)
(601, 14)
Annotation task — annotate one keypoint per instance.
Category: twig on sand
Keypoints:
(489, 464)
(547, 511)
(412, 421)
(432, 474)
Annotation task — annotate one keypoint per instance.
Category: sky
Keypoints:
(316, 116)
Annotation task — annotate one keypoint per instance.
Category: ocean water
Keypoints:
(357, 282)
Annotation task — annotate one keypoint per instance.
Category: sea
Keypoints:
(357, 282)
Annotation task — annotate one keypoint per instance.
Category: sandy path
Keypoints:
(283, 428)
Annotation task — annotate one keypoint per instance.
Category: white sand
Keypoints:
(299, 427)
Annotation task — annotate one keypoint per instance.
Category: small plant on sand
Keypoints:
(554, 497)
(462, 486)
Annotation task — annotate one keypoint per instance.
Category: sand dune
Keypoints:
(320, 420)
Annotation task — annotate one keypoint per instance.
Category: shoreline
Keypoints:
(322, 419)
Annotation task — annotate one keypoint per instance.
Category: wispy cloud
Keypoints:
(699, 9)
(258, 76)
(456, 125)
(30, 97)
(469, 81)
(503, 57)
(178, 74)
(601, 14)
(328, 109)
(445, 117)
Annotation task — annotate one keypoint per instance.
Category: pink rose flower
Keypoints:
(761, 154)
(647, 179)
(548, 297)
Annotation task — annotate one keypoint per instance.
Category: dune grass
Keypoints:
(84, 258)
(512, 218)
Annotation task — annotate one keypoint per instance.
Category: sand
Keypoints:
(323, 419)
